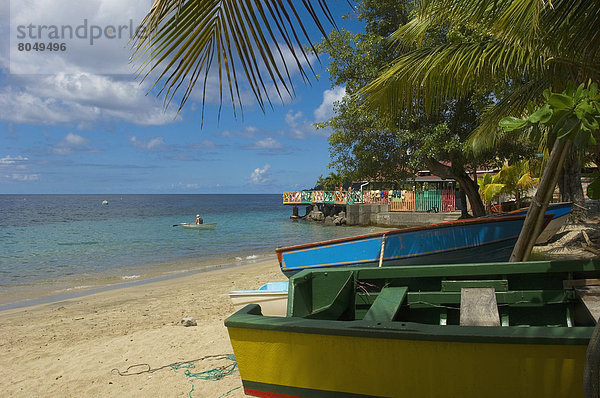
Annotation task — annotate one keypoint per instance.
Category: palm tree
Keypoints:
(516, 180)
(489, 189)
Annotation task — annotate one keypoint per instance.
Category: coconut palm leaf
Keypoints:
(511, 41)
(527, 182)
(184, 40)
(489, 188)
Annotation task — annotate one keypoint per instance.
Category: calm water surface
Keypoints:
(51, 244)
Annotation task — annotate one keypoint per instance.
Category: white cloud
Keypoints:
(75, 140)
(61, 87)
(153, 144)
(80, 98)
(72, 143)
(325, 110)
(267, 143)
(12, 160)
(15, 169)
(204, 144)
(298, 126)
(180, 185)
(260, 176)
(24, 177)
(95, 33)
(248, 132)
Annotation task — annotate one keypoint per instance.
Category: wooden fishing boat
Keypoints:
(198, 226)
(272, 298)
(560, 213)
(466, 330)
(484, 239)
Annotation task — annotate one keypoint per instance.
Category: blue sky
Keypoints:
(79, 122)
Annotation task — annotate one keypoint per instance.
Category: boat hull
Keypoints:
(478, 240)
(272, 298)
(405, 363)
(560, 214)
(198, 226)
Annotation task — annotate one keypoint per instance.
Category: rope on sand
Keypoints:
(214, 374)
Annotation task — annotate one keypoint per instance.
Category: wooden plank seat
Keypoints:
(478, 307)
(588, 290)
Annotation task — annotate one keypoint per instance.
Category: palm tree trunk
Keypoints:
(535, 216)
(572, 186)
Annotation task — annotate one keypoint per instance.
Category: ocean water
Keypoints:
(55, 245)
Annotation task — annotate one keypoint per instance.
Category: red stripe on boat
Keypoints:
(265, 394)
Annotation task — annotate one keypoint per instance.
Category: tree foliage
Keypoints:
(514, 180)
(573, 114)
(523, 45)
(369, 145)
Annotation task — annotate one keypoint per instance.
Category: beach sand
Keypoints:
(70, 348)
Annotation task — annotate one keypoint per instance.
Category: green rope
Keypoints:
(211, 374)
(214, 374)
(228, 392)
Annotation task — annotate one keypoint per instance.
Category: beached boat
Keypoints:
(272, 298)
(484, 239)
(466, 330)
(560, 213)
(198, 226)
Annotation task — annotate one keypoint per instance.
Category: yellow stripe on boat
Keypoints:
(407, 368)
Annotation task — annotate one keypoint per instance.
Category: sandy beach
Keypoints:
(71, 348)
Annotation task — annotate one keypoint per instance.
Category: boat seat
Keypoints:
(387, 304)
(478, 307)
(588, 290)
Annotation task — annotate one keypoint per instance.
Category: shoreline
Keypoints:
(53, 290)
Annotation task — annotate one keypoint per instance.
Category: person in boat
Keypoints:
(199, 219)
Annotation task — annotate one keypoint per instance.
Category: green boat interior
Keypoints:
(538, 293)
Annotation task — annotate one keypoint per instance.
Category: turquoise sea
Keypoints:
(58, 246)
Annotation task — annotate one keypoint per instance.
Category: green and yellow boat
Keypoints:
(473, 330)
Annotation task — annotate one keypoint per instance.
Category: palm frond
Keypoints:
(184, 39)
(448, 71)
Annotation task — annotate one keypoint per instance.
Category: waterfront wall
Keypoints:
(361, 214)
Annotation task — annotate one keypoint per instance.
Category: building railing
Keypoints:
(434, 200)
(443, 200)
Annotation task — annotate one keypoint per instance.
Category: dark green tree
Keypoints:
(368, 145)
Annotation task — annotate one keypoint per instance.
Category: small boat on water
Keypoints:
(464, 330)
(272, 298)
(484, 239)
(197, 226)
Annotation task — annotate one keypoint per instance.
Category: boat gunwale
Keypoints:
(250, 317)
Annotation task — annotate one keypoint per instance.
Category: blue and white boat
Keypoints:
(476, 240)
(560, 213)
(271, 296)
